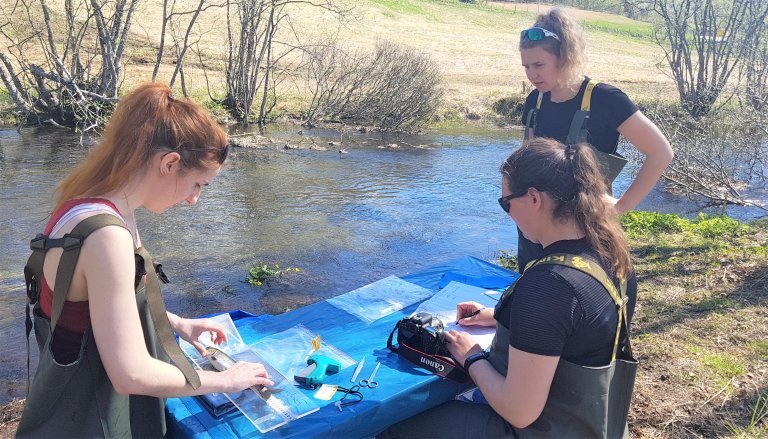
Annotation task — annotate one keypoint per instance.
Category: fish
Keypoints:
(221, 361)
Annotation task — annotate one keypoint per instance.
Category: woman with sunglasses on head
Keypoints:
(100, 322)
(571, 108)
(550, 370)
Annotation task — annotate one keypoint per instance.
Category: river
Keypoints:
(345, 219)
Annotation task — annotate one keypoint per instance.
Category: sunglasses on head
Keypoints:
(504, 201)
(538, 34)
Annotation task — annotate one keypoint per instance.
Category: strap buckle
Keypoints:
(68, 242)
(72, 242)
(38, 243)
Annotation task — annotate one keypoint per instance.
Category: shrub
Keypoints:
(393, 88)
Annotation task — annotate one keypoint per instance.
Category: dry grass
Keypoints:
(700, 335)
(475, 46)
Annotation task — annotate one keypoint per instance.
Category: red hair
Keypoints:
(148, 120)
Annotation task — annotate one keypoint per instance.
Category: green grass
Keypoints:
(760, 347)
(724, 365)
(753, 429)
(713, 304)
(8, 115)
(638, 223)
(626, 28)
(704, 226)
(405, 7)
(438, 10)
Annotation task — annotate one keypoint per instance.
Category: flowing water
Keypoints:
(345, 219)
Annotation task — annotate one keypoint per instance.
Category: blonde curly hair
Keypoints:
(571, 50)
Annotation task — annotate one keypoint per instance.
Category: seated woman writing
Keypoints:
(550, 371)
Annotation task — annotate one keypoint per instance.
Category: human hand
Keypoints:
(461, 345)
(243, 375)
(190, 330)
(473, 314)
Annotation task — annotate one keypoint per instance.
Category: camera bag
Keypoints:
(420, 341)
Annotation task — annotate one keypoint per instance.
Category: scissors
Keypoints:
(370, 383)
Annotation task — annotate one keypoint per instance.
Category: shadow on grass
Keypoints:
(749, 289)
(743, 289)
(735, 417)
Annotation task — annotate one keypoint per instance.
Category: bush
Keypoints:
(393, 88)
(511, 107)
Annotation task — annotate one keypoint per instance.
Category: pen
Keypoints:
(472, 314)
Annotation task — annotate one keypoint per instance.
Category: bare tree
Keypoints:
(754, 72)
(720, 158)
(703, 40)
(173, 23)
(75, 81)
(254, 53)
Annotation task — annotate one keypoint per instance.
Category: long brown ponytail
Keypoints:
(572, 178)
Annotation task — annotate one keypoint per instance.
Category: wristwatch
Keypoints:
(474, 357)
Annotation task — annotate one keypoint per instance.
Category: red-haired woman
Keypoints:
(99, 322)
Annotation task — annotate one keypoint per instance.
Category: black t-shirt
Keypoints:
(610, 107)
(560, 311)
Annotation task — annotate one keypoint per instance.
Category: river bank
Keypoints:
(699, 328)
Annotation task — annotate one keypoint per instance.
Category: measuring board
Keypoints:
(285, 404)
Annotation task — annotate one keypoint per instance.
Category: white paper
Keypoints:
(443, 306)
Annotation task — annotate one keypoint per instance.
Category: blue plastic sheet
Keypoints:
(404, 389)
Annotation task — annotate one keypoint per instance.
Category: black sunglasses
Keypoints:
(504, 201)
(538, 34)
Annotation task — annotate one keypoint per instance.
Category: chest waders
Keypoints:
(610, 164)
(78, 399)
(583, 402)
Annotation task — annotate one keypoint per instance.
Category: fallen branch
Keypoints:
(716, 394)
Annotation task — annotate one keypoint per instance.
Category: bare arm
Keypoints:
(105, 256)
(649, 140)
(520, 396)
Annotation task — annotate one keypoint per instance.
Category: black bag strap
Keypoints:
(577, 132)
(445, 367)
(532, 119)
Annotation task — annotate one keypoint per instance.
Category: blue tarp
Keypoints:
(404, 389)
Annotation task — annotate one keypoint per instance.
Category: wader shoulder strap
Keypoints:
(71, 243)
(33, 271)
(577, 133)
(66, 269)
(165, 333)
(593, 269)
(532, 119)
